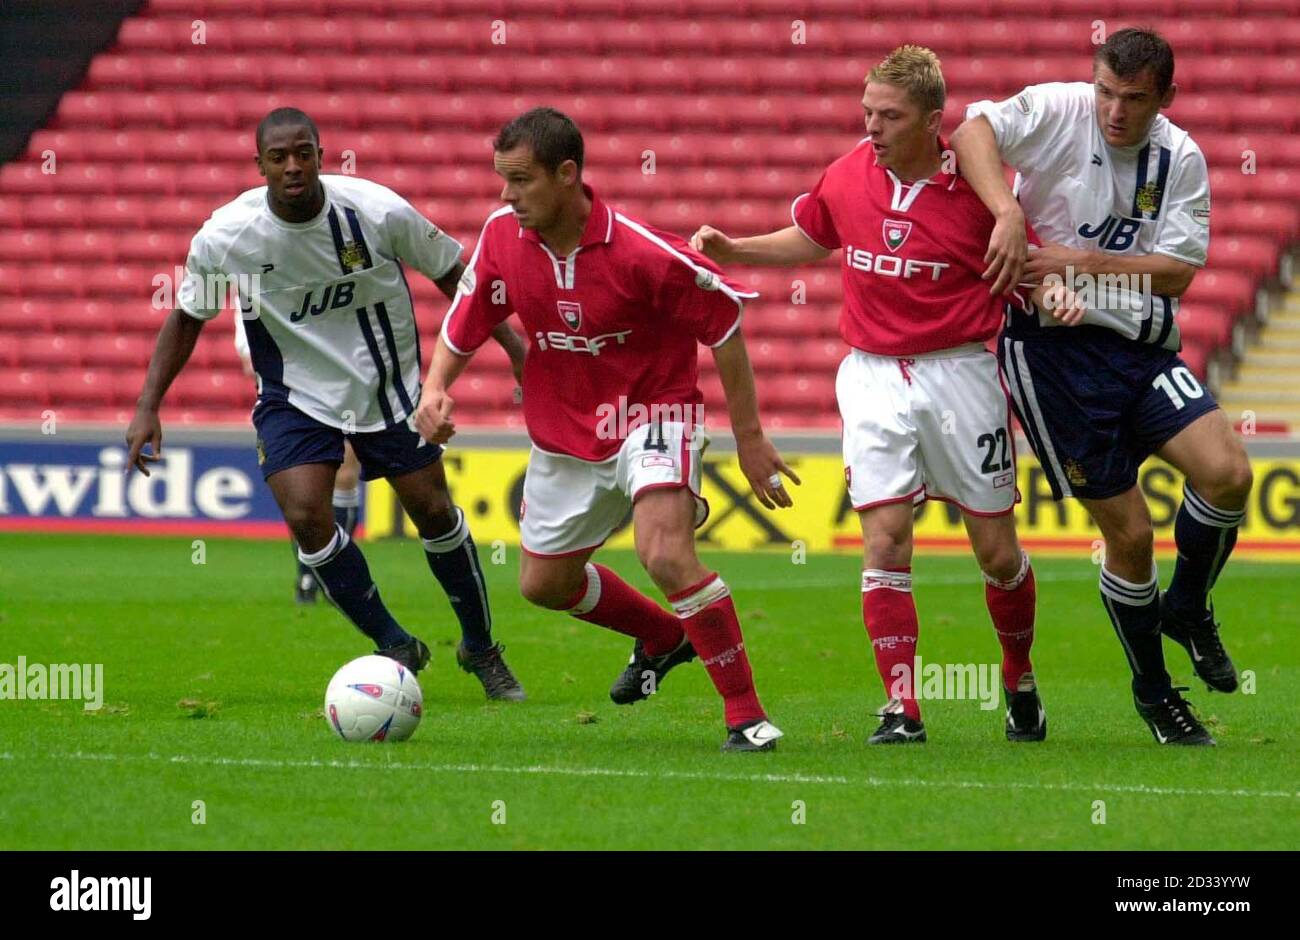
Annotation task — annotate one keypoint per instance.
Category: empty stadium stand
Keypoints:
(695, 111)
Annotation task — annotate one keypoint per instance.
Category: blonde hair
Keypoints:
(916, 70)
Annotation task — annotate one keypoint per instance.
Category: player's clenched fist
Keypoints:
(711, 243)
(1065, 305)
(763, 466)
(433, 417)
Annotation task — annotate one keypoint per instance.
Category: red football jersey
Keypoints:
(613, 325)
(912, 255)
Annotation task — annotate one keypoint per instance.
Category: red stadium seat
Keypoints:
(26, 388)
(1257, 257)
(1204, 324)
(81, 386)
(1228, 291)
(116, 351)
(49, 350)
(26, 246)
(1277, 220)
(18, 317)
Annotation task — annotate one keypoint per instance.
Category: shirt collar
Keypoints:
(600, 224)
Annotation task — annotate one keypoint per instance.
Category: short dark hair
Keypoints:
(281, 117)
(1129, 52)
(552, 136)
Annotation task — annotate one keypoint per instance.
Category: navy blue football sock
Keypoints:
(346, 504)
(1134, 610)
(1205, 536)
(453, 559)
(342, 571)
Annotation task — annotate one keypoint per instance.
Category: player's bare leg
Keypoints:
(594, 593)
(303, 494)
(574, 584)
(346, 501)
(1011, 596)
(1130, 593)
(453, 558)
(1218, 480)
(889, 614)
(664, 525)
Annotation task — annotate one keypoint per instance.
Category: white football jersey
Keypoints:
(1079, 191)
(327, 314)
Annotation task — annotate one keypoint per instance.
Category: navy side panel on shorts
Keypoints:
(286, 437)
(1094, 405)
(393, 452)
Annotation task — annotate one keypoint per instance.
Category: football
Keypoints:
(374, 698)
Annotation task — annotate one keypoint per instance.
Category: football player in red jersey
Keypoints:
(614, 310)
(925, 413)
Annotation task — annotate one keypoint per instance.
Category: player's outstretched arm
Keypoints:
(175, 344)
(787, 246)
(1168, 276)
(980, 163)
(759, 460)
(433, 416)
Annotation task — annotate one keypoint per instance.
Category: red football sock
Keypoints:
(1011, 605)
(890, 615)
(709, 618)
(609, 601)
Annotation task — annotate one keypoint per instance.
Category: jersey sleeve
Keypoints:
(1029, 126)
(1184, 232)
(812, 216)
(420, 243)
(481, 301)
(199, 294)
(695, 293)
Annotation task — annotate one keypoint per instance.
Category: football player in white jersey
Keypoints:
(347, 487)
(316, 262)
(1120, 197)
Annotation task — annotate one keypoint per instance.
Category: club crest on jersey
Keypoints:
(570, 313)
(1148, 198)
(352, 255)
(895, 233)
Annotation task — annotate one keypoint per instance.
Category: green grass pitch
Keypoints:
(568, 769)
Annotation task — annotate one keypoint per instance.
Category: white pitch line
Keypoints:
(274, 764)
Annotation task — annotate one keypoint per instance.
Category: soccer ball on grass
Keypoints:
(374, 698)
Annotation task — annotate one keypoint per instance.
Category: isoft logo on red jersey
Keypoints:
(580, 344)
(892, 265)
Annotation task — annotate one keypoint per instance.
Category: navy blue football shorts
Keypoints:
(286, 437)
(1095, 405)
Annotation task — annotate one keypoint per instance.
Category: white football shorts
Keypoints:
(932, 426)
(573, 505)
